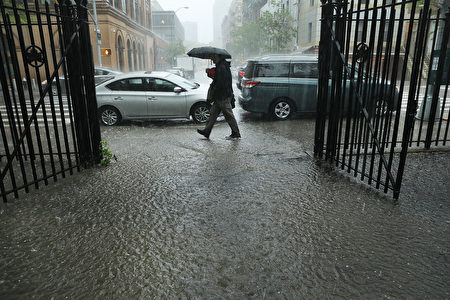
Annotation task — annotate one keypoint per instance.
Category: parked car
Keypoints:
(175, 71)
(101, 74)
(183, 73)
(151, 95)
(281, 85)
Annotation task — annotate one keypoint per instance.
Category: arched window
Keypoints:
(134, 56)
(130, 53)
(120, 52)
(140, 56)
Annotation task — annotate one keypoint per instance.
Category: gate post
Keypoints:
(437, 83)
(89, 81)
(82, 88)
(324, 69)
(411, 108)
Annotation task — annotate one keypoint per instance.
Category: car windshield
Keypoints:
(184, 83)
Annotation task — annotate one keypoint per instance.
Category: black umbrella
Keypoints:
(207, 51)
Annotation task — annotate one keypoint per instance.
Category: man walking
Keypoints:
(222, 94)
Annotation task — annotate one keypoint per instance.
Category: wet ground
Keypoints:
(179, 216)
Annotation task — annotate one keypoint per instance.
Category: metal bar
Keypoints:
(363, 110)
(76, 87)
(16, 69)
(444, 101)
(416, 93)
(375, 88)
(411, 104)
(442, 116)
(337, 80)
(67, 86)
(89, 83)
(37, 131)
(392, 92)
(23, 102)
(349, 107)
(25, 133)
(4, 84)
(9, 106)
(353, 90)
(58, 87)
(367, 80)
(48, 177)
(425, 102)
(439, 74)
(324, 58)
(385, 118)
(361, 121)
(52, 105)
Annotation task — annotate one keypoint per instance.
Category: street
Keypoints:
(179, 216)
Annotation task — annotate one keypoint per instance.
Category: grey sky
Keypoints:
(199, 11)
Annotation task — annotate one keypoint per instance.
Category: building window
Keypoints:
(130, 61)
(310, 32)
(312, 2)
(135, 56)
(124, 6)
(120, 52)
(116, 4)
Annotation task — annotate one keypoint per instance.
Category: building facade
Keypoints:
(308, 24)
(126, 28)
(220, 10)
(191, 31)
(166, 25)
(233, 21)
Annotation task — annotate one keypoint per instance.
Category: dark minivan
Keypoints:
(280, 85)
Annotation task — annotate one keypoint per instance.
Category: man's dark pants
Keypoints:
(223, 106)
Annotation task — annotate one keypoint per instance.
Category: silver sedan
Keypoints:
(151, 95)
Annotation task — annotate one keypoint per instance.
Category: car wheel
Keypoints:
(200, 113)
(282, 109)
(110, 116)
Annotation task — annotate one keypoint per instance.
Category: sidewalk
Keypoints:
(178, 216)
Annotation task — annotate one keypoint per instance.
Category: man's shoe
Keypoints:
(234, 135)
(204, 133)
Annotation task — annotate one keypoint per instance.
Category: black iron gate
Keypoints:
(48, 109)
(383, 85)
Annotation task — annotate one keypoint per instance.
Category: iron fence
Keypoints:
(48, 112)
(383, 86)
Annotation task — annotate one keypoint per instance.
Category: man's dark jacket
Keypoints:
(222, 83)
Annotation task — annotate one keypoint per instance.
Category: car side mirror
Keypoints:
(177, 90)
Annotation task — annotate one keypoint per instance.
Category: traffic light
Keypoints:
(106, 52)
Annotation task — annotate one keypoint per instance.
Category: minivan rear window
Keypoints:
(249, 69)
(272, 70)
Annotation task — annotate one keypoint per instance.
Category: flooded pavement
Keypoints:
(179, 216)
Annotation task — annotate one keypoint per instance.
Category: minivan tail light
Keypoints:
(241, 73)
(251, 84)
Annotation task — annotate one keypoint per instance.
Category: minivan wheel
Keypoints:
(200, 113)
(109, 116)
(282, 109)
